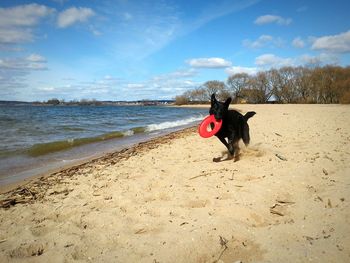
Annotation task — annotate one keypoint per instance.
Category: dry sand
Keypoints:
(286, 200)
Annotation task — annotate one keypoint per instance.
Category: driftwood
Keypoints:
(194, 177)
(274, 210)
(281, 157)
(223, 244)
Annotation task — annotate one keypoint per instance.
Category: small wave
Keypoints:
(55, 146)
(7, 119)
(128, 133)
(50, 147)
(137, 130)
(68, 128)
(172, 124)
(110, 135)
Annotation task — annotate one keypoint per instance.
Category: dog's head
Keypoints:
(219, 109)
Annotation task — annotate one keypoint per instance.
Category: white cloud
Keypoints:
(268, 19)
(16, 22)
(144, 27)
(267, 61)
(237, 69)
(49, 88)
(165, 86)
(36, 58)
(110, 78)
(94, 31)
(15, 35)
(23, 15)
(187, 73)
(302, 9)
(271, 60)
(321, 59)
(74, 15)
(310, 60)
(135, 85)
(32, 62)
(298, 42)
(263, 41)
(183, 73)
(208, 63)
(335, 43)
(14, 72)
(60, 1)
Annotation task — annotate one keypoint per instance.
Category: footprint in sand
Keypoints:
(39, 230)
(258, 221)
(196, 203)
(28, 250)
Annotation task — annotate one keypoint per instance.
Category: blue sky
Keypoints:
(130, 50)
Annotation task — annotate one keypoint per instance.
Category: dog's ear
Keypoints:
(227, 102)
(213, 99)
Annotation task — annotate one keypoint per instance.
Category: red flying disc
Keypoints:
(203, 127)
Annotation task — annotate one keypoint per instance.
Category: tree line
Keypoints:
(328, 84)
(62, 102)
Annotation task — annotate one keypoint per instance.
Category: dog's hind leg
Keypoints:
(234, 147)
(231, 145)
(236, 151)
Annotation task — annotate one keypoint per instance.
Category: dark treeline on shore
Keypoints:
(328, 84)
(82, 102)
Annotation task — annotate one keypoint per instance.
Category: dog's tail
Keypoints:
(248, 115)
(245, 127)
(245, 133)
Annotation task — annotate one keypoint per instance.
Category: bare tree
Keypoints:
(181, 100)
(213, 86)
(199, 95)
(304, 84)
(286, 88)
(329, 84)
(236, 83)
(53, 101)
(259, 90)
(324, 84)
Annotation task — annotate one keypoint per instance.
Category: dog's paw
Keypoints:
(217, 159)
(226, 157)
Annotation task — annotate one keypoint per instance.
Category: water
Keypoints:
(36, 139)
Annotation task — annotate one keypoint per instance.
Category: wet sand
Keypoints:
(165, 200)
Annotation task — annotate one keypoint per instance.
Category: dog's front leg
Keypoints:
(222, 139)
(220, 159)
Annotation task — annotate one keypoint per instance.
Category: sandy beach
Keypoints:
(286, 199)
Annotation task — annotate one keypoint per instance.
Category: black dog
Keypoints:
(234, 125)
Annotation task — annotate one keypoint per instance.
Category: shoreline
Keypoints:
(165, 200)
(102, 157)
(22, 166)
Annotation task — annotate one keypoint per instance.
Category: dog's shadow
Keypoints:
(225, 157)
(245, 152)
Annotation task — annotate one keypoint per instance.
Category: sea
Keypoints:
(38, 139)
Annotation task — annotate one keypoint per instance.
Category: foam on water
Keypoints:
(172, 124)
